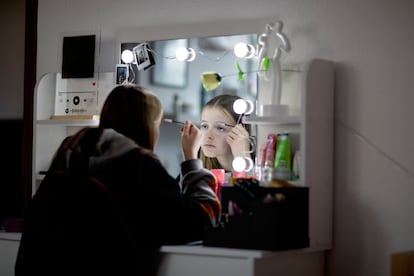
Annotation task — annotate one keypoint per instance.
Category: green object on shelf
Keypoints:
(265, 63)
(283, 150)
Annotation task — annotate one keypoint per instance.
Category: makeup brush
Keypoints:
(171, 121)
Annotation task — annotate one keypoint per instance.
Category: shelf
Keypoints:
(69, 122)
(269, 120)
(11, 236)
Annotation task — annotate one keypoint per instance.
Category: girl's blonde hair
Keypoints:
(224, 103)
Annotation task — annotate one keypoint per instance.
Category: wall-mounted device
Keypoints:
(76, 97)
(78, 56)
(77, 84)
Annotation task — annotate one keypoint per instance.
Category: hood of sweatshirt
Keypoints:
(95, 147)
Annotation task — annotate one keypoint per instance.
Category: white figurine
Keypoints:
(269, 66)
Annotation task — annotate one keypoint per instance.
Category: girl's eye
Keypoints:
(221, 128)
(204, 126)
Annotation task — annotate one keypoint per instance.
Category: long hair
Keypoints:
(222, 102)
(133, 111)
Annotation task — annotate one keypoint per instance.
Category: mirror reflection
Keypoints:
(178, 83)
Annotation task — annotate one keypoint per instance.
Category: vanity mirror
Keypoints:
(187, 72)
(178, 83)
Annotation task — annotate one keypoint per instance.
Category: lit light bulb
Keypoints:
(187, 54)
(242, 164)
(127, 56)
(241, 106)
(243, 50)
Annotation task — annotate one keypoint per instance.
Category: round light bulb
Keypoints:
(181, 53)
(243, 50)
(242, 164)
(241, 106)
(187, 54)
(127, 56)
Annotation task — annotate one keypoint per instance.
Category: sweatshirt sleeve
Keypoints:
(200, 185)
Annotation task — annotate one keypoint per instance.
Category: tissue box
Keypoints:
(262, 218)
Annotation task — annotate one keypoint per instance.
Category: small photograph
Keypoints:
(143, 56)
(122, 73)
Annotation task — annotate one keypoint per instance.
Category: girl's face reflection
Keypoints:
(215, 126)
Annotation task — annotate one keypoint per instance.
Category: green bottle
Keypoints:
(283, 150)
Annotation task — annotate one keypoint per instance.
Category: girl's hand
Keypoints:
(238, 139)
(190, 140)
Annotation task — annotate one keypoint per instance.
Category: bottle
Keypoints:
(283, 150)
(282, 172)
(259, 162)
(269, 158)
(296, 165)
(270, 150)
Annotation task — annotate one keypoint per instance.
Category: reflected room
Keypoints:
(177, 79)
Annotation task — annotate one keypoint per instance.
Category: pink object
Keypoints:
(270, 150)
(239, 174)
(220, 176)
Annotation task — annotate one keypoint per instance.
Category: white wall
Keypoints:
(372, 43)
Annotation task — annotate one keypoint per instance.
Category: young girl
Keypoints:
(157, 209)
(223, 136)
